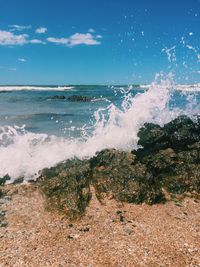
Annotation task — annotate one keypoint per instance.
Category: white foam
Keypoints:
(35, 88)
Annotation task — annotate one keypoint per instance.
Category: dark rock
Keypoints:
(19, 180)
(176, 134)
(182, 132)
(152, 137)
(164, 161)
(79, 98)
(66, 187)
(116, 174)
(178, 173)
(4, 179)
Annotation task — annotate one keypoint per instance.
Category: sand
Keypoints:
(112, 235)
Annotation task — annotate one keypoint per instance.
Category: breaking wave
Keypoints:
(23, 153)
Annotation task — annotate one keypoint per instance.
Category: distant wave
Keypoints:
(34, 88)
(188, 87)
(180, 87)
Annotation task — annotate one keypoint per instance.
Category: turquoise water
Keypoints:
(41, 114)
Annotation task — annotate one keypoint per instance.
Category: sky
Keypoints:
(98, 41)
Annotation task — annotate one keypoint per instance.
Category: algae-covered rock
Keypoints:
(152, 138)
(178, 172)
(171, 154)
(182, 132)
(116, 175)
(176, 134)
(66, 187)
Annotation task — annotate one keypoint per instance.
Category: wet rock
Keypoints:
(115, 173)
(19, 180)
(79, 98)
(152, 137)
(66, 187)
(4, 179)
(182, 132)
(163, 160)
(179, 172)
(176, 134)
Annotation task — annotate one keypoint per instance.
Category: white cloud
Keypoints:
(81, 38)
(63, 41)
(22, 59)
(77, 39)
(36, 41)
(19, 27)
(10, 39)
(41, 30)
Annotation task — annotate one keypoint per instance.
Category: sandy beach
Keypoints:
(112, 234)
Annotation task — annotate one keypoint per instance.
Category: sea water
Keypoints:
(38, 130)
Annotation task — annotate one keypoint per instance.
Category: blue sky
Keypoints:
(98, 41)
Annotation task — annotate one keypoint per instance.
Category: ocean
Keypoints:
(40, 126)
